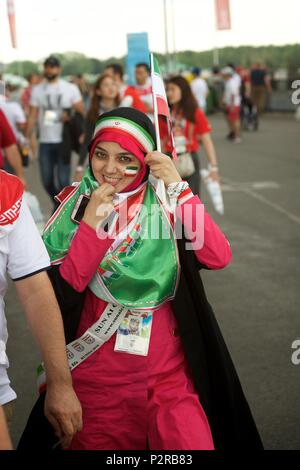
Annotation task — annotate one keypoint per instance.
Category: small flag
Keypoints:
(131, 171)
(12, 22)
(160, 104)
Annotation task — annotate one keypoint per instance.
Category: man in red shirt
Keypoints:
(143, 87)
(128, 95)
(8, 144)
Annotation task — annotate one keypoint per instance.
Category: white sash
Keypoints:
(93, 338)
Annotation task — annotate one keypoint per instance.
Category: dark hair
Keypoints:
(93, 111)
(117, 68)
(52, 61)
(188, 104)
(143, 64)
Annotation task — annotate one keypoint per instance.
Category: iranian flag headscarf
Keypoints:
(148, 231)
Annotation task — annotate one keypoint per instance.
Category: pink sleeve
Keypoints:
(85, 254)
(208, 241)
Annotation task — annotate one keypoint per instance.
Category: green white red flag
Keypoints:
(160, 104)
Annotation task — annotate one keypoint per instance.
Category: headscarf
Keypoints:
(133, 131)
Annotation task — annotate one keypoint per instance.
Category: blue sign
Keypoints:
(138, 51)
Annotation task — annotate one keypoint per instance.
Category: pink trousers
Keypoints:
(134, 402)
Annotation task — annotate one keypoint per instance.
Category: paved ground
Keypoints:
(256, 299)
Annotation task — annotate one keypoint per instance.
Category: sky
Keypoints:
(98, 28)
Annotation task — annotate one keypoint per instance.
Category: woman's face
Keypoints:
(109, 162)
(173, 93)
(108, 89)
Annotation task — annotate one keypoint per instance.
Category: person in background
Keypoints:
(51, 104)
(128, 95)
(80, 81)
(15, 116)
(190, 127)
(216, 83)
(9, 149)
(199, 88)
(143, 86)
(260, 86)
(33, 79)
(104, 98)
(232, 104)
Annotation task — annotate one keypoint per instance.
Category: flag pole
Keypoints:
(160, 187)
(155, 112)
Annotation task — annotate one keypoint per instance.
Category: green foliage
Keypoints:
(274, 56)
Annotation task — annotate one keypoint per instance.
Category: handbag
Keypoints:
(185, 165)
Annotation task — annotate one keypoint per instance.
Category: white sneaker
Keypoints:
(237, 140)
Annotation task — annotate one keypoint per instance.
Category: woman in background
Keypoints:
(105, 97)
(190, 126)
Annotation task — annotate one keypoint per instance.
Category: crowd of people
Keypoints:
(158, 375)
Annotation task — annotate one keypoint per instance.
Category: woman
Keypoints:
(190, 125)
(105, 97)
(160, 376)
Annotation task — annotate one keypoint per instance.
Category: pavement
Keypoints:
(255, 299)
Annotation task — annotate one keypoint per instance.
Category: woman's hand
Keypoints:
(214, 175)
(162, 166)
(100, 205)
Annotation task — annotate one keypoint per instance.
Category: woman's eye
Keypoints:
(100, 155)
(125, 159)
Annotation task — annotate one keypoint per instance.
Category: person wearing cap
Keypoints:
(199, 88)
(50, 103)
(148, 361)
(232, 103)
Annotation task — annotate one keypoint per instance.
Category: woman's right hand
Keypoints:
(100, 205)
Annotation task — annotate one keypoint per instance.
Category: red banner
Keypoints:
(12, 22)
(222, 14)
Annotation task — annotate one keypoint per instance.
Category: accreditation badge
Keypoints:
(133, 335)
(50, 117)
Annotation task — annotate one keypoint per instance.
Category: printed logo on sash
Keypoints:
(88, 339)
(70, 355)
(78, 347)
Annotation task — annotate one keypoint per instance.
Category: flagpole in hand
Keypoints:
(158, 93)
(158, 144)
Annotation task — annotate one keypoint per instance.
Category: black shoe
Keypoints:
(230, 136)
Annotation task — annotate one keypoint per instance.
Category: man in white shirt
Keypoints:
(24, 257)
(232, 103)
(51, 102)
(199, 88)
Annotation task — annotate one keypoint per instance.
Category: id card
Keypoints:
(133, 335)
(180, 144)
(50, 117)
